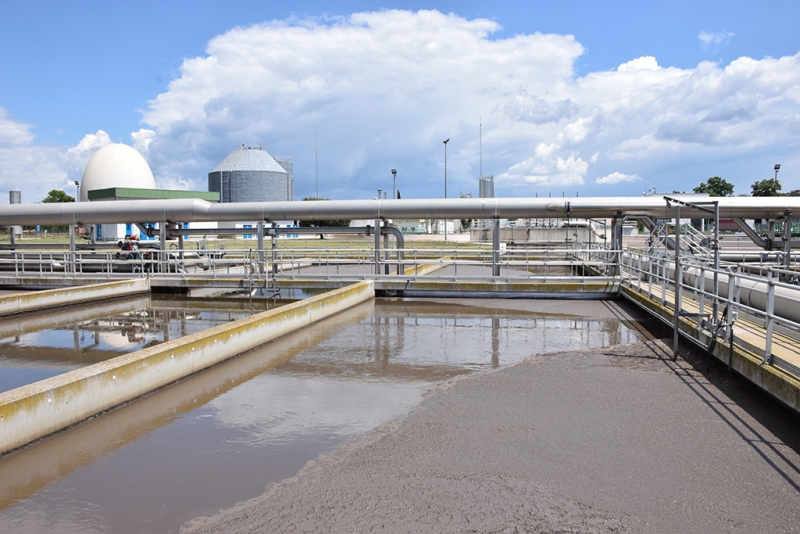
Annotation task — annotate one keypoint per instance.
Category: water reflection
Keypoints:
(34, 347)
(221, 436)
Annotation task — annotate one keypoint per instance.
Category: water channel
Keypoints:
(219, 437)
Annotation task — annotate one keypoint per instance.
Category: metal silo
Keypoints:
(250, 174)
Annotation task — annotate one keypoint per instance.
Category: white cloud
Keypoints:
(142, 139)
(85, 149)
(383, 89)
(13, 133)
(640, 63)
(713, 41)
(616, 178)
(542, 170)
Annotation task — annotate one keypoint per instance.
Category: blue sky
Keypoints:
(558, 113)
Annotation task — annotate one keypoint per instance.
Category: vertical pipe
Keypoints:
(386, 252)
(162, 234)
(377, 245)
(496, 247)
(72, 248)
(274, 251)
(787, 239)
(261, 247)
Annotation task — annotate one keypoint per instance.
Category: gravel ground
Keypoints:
(618, 440)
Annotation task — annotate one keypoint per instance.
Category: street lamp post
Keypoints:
(445, 183)
(775, 180)
(78, 185)
(394, 184)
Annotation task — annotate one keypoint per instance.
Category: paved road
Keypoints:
(619, 440)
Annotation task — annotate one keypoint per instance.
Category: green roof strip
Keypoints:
(130, 193)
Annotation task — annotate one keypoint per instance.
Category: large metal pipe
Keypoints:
(194, 210)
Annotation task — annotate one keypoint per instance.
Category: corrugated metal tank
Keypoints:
(250, 174)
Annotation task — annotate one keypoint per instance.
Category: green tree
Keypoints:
(57, 195)
(322, 224)
(769, 187)
(716, 187)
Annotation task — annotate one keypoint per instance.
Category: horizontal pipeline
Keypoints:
(195, 210)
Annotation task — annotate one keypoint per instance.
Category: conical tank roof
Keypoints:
(249, 158)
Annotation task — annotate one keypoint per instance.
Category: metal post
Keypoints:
(274, 251)
(770, 320)
(377, 245)
(386, 252)
(496, 247)
(71, 247)
(261, 247)
(678, 276)
(445, 183)
(730, 317)
(616, 245)
(162, 231)
(715, 306)
(787, 239)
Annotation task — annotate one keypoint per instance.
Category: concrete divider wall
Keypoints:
(37, 410)
(35, 300)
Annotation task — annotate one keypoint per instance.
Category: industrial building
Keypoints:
(120, 172)
(251, 174)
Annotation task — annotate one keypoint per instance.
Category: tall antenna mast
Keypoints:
(480, 140)
(316, 160)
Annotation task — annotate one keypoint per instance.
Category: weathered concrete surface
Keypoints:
(37, 300)
(34, 411)
(620, 440)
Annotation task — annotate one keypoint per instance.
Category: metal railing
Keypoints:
(764, 305)
(363, 262)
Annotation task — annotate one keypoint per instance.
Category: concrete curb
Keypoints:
(51, 298)
(34, 411)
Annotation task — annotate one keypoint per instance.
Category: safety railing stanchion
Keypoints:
(770, 318)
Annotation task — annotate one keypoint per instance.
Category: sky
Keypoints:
(572, 98)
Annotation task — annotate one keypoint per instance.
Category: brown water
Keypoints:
(35, 347)
(221, 436)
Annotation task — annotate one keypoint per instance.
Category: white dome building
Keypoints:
(116, 165)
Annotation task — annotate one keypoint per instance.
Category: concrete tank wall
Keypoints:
(34, 411)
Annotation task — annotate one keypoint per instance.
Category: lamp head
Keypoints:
(777, 166)
(446, 141)
(394, 171)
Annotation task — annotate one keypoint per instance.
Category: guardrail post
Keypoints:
(676, 319)
(700, 284)
(496, 247)
(274, 251)
(72, 248)
(639, 273)
(162, 235)
(261, 247)
(386, 252)
(770, 320)
(377, 245)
